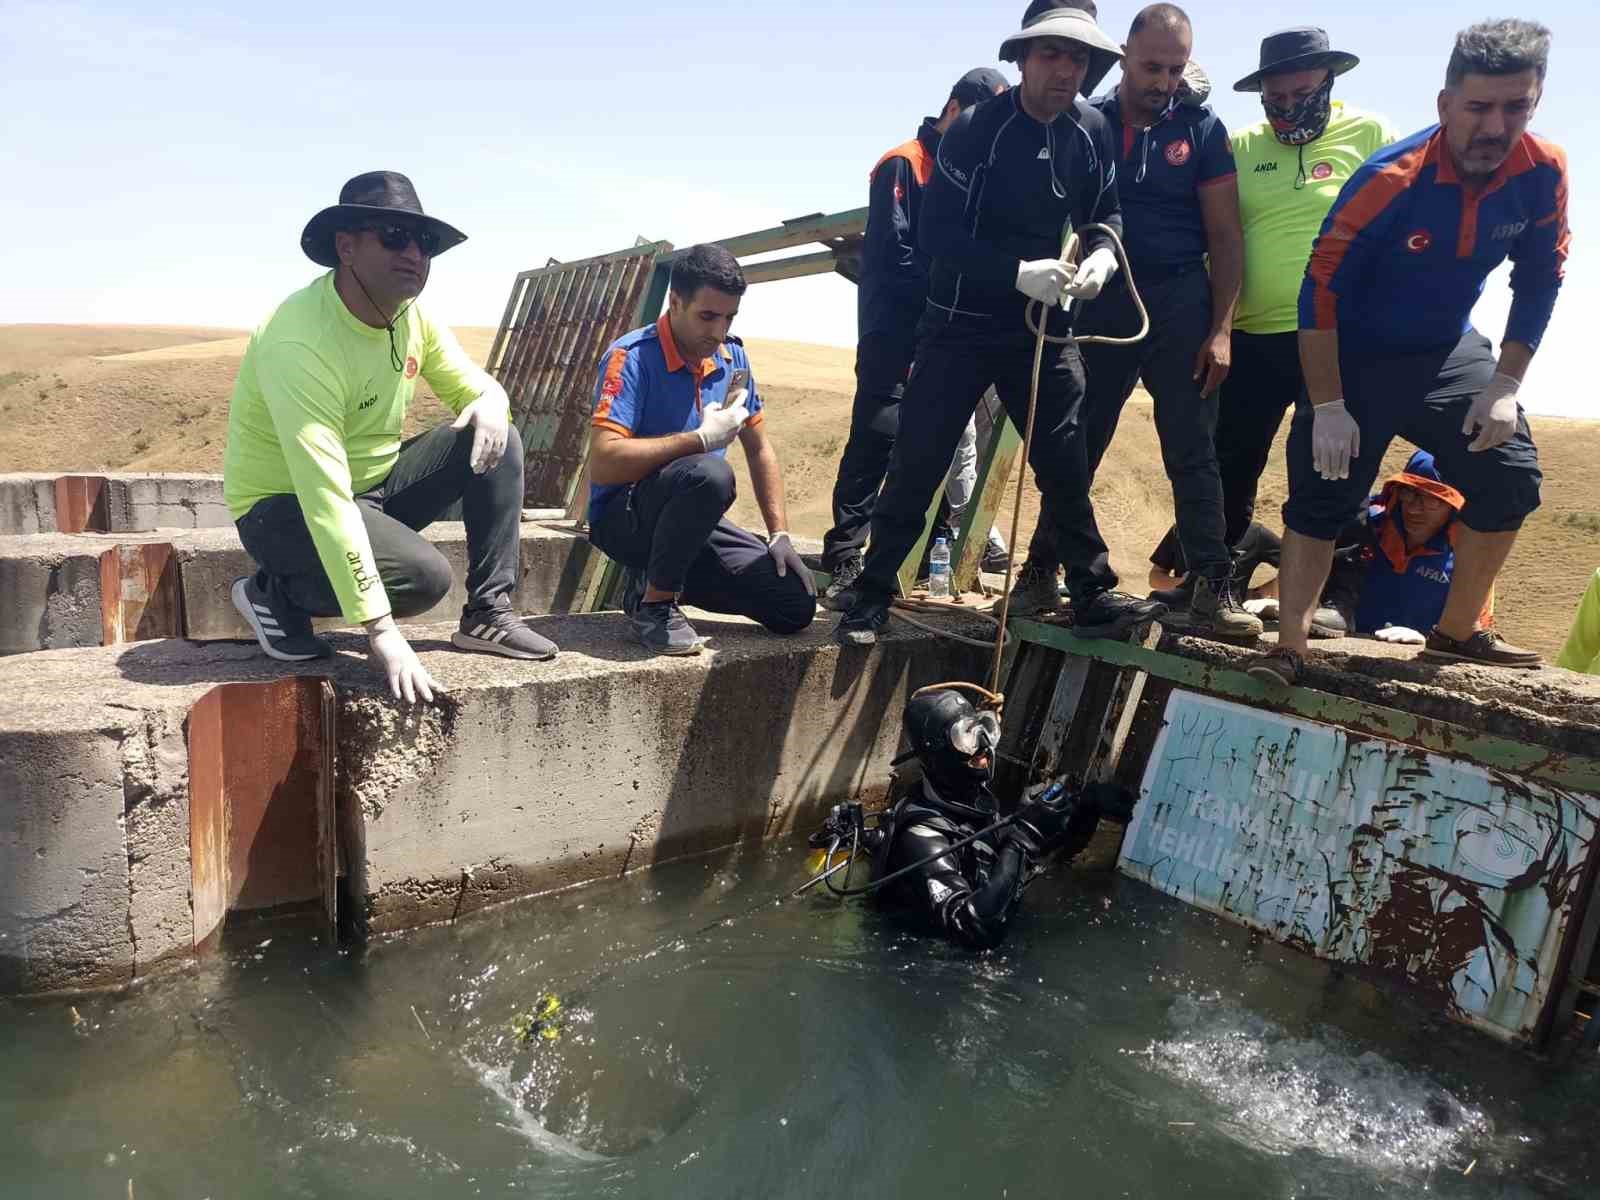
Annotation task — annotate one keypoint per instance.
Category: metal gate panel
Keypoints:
(557, 321)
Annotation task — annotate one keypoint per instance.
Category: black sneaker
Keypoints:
(839, 593)
(995, 557)
(284, 632)
(1114, 615)
(1485, 647)
(663, 629)
(867, 618)
(501, 631)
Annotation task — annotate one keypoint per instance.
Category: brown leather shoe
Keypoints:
(1279, 666)
(1485, 647)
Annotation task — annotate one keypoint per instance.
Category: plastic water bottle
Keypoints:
(939, 570)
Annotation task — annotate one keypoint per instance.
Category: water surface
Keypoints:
(721, 1043)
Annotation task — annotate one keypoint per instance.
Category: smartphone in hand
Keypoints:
(739, 379)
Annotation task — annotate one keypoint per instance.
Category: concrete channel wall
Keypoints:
(113, 502)
(527, 778)
(61, 591)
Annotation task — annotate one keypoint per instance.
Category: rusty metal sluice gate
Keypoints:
(1457, 865)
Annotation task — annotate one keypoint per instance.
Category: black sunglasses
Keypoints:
(398, 237)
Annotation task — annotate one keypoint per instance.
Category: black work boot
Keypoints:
(1113, 614)
(1215, 612)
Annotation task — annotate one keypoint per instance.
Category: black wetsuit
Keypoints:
(967, 895)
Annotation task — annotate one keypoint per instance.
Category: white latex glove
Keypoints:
(787, 559)
(1093, 274)
(1335, 440)
(408, 679)
(1493, 413)
(1043, 279)
(490, 416)
(719, 426)
(1265, 607)
(1400, 635)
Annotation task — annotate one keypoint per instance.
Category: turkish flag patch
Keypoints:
(411, 367)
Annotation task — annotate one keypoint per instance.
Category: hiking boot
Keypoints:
(1113, 614)
(1279, 667)
(995, 556)
(1329, 621)
(500, 631)
(1215, 612)
(1485, 647)
(663, 629)
(1034, 592)
(867, 617)
(845, 575)
(283, 631)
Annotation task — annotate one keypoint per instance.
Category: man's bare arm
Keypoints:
(614, 459)
(766, 477)
(1219, 209)
(1319, 361)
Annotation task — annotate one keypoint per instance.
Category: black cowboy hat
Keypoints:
(1070, 19)
(1302, 49)
(374, 198)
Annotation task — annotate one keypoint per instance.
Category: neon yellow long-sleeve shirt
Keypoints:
(1582, 651)
(317, 412)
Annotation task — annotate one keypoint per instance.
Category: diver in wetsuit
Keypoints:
(970, 894)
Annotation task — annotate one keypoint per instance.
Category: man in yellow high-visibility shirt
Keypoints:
(326, 498)
(1290, 166)
(1582, 651)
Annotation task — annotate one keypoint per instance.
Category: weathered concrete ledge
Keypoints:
(1549, 707)
(527, 777)
(124, 502)
(56, 592)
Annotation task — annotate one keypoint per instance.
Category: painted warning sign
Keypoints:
(1460, 879)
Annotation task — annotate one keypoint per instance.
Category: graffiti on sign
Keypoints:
(1460, 879)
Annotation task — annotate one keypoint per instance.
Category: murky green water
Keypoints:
(720, 1044)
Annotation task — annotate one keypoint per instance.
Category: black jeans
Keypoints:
(432, 472)
(1264, 380)
(882, 362)
(958, 358)
(1180, 322)
(670, 525)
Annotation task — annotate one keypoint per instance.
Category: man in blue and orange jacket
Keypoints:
(1388, 346)
(889, 302)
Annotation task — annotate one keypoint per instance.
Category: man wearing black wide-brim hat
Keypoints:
(327, 499)
(1291, 165)
(1009, 176)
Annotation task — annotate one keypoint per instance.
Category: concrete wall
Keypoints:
(135, 503)
(51, 581)
(528, 777)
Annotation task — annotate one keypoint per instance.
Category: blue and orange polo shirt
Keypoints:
(1404, 251)
(644, 388)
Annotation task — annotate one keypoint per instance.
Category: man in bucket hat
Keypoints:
(1291, 166)
(326, 497)
(1010, 174)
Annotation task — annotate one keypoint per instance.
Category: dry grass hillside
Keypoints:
(155, 398)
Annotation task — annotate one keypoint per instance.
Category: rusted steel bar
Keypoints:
(82, 504)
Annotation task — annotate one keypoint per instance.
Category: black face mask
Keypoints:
(1304, 121)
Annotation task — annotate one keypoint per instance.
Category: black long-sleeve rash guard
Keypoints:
(1004, 187)
(967, 895)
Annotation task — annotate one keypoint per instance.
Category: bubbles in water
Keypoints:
(1283, 1093)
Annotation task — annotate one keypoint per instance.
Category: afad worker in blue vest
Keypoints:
(669, 399)
(1010, 174)
(1396, 575)
(1388, 347)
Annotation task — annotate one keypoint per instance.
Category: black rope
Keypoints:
(395, 360)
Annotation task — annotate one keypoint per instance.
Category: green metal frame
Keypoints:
(1572, 771)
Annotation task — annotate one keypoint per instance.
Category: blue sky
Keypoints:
(160, 167)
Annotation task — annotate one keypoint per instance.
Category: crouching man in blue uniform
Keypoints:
(1388, 347)
(669, 400)
(1009, 176)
